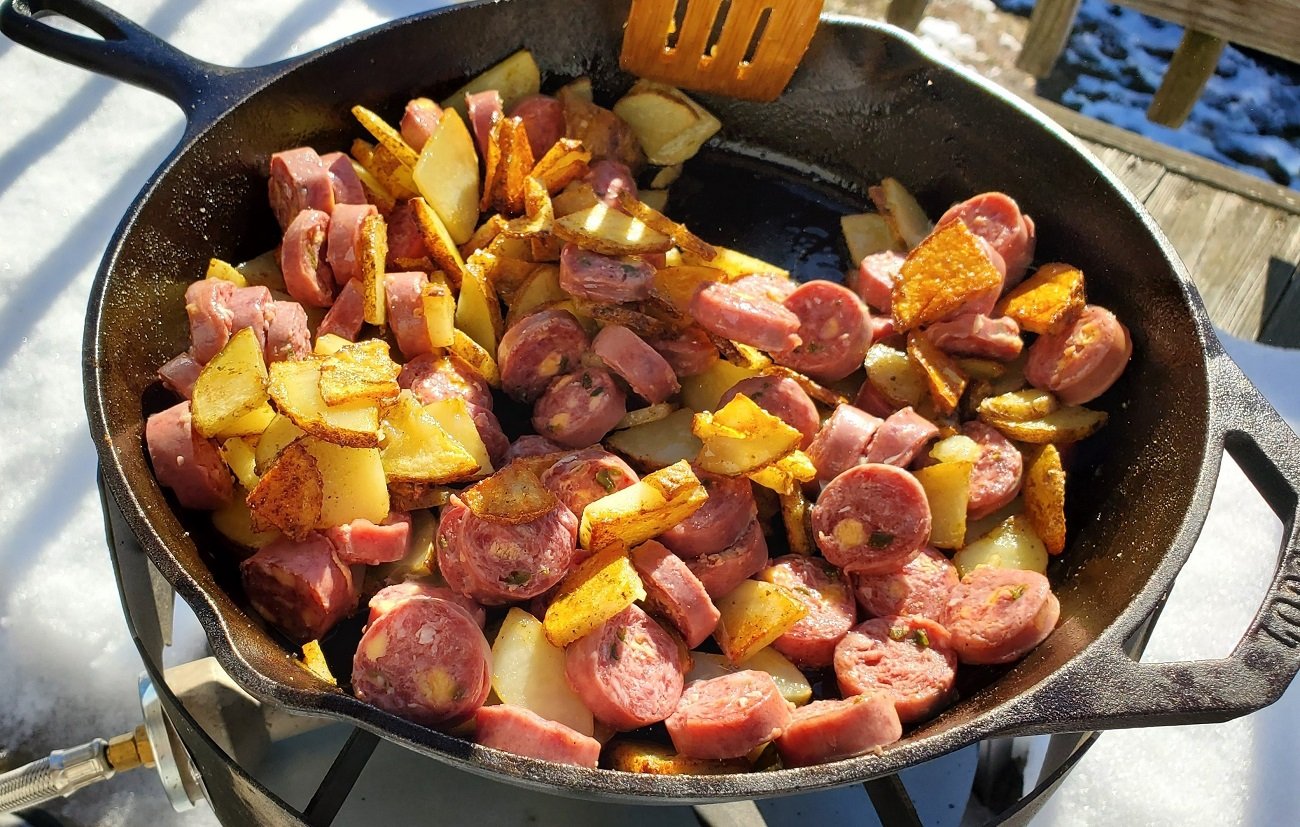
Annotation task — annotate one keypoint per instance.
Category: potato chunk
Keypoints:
(1045, 496)
(658, 444)
(289, 495)
(944, 272)
(947, 381)
(702, 391)
(1019, 406)
(230, 386)
(612, 233)
(416, 448)
(1068, 424)
(867, 234)
(670, 126)
(361, 371)
(514, 78)
(741, 438)
(528, 671)
(895, 376)
(295, 389)
(794, 687)
(658, 759)
(753, 615)
(905, 217)
(643, 510)
(446, 174)
(602, 586)
(1013, 544)
(947, 488)
(1048, 300)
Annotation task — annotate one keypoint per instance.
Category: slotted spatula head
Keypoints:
(741, 48)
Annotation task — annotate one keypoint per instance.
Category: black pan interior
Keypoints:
(865, 104)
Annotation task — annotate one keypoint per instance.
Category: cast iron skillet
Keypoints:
(867, 102)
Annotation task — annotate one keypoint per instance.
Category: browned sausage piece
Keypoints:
(432, 377)
(362, 542)
(745, 317)
(728, 716)
(424, 660)
(389, 596)
(307, 276)
(1080, 363)
(996, 218)
(675, 593)
(921, 588)
(588, 275)
(343, 179)
(207, 303)
(872, 519)
(628, 671)
(580, 478)
(995, 480)
(521, 731)
(531, 445)
(724, 570)
(287, 334)
(908, 658)
(403, 294)
(346, 315)
(842, 441)
(717, 524)
(299, 181)
(420, 120)
(184, 461)
(538, 348)
(974, 334)
(876, 276)
(543, 118)
(344, 247)
(579, 408)
(300, 587)
(769, 286)
(609, 179)
(901, 438)
(628, 355)
(248, 309)
(782, 397)
(405, 239)
(690, 352)
(496, 563)
(831, 730)
(491, 433)
(180, 373)
(484, 110)
(835, 329)
(998, 615)
(822, 589)
(874, 402)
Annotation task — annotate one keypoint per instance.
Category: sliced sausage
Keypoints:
(496, 563)
(782, 397)
(745, 317)
(832, 611)
(722, 571)
(580, 478)
(921, 587)
(420, 120)
(728, 716)
(248, 310)
(207, 303)
(389, 596)
(543, 118)
(185, 462)
(362, 542)
(346, 315)
(717, 524)
(996, 218)
(873, 401)
(690, 352)
(995, 480)
(299, 181)
(910, 659)
(832, 730)
(344, 247)
(882, 327)
(872, 519)
(491, 433)
(628, 671)
(343, 179)
(424, 660)
(842, 441)
(675, 593)
(405, 239)
(538, 348)
(431, 378)
(1081, 362)
(484, 110)
(974, 334)
(588, 275)
(835, 330)
(769, 286)
(287, 334)
(603, 133)
(609, 180)
(531, 445)
(579, 408)
(627, 354)
(307, 276)
(402, 294)
(998, 615)
(179, 374)
(877, 275)
(901, 438)
(300, 587)
(521, 731)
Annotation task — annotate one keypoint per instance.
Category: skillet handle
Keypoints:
(127, 52)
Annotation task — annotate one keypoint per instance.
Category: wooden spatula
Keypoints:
(741, 48)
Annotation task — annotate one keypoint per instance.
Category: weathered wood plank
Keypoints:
(1283, 326)
(1190, 69)
(1138, 174)
(1049, 28)
(1268, 25)
(1227, 243)
(906, 14)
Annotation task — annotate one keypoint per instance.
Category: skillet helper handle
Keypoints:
(127, 52)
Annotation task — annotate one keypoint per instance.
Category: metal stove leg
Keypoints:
(892, 802)
(337, 784)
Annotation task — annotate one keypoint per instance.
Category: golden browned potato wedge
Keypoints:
(1019, 406)
(658, 444)
(1048, 300)
(654, 199)
(1045, 496)
(733, 263)
(576, 197)
(376, 192)
(373, 254)
(240, 455)
(895, 376)
(446, 175)
(442, 249)
(643, 510)
(788, 474)
(947, 488)
(670, 126)
(538, 217)
(651, 758)
(230, 386)
(905, 217)
(702, 391)
(564, 163)
(416, 448)
(741, 438)
(515, 162)
(392, 173)
(1013, 544)
(235, 522)
(478, 312)
(362, 370)
(682, 237)
(946, 380)
(328, 344)
(277, 434)
(867, 234)
(957, 448)
(439, 305)
(541, 287)
(940, 275)
(512, 496)
(477, 358)
(599, 588)
(743, 356)
(753, 615)
(295, 389)
(514, 78)
(484, 235)
(645, 416)
(263, 271)
(289, 495)
(388, 137)
(313, 660)
(1064, 425)
(220, 270)
(454, 416)
(796, 514)
(528, 671)
(250, 424)
(610, 232)
(791, 683)
(354, 484)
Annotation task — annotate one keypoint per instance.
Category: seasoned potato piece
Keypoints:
(1068, 424)
(454, 416)
(218, 269)
(947, 488)
(439, 305)
(359, 371)
(1045, 496)
(280, 432)
(702, 391)
(905, 217)
(753, 615)
(446, 175)
(867, 234)
(659, 759)
(670, 126)
(644, 416)
(940, 275)
(643, 510)
(565, 162)
(895, 376)
(817, 392)
(786, 475)
(289, 495)
(376, 192)
(388, 137)
(541, 287)
(538, 218)
(794, 687)
(682, 237)
(1013, 544)
(374, 252)
(354, 484)
(513, 164)
(478, 312)
(513, 496)
(250, 424)
(734, 264)
(796, 514)
(1019, 406)
(235, 522)
(528, 671)
(1047, 301)
(654, 199)
(240, 456)
(486, 233)
(328, 344)
(263, 271)
(741, 438)
(476, 357)
(295, 389)
(391, 172)
(599, 588)
(609, 232)
(442, 249)
(658, 444)
(956, 448)
(514, 78)
(575, 198)
(744, 356)
(416, 448)
(230, 386)
(946, 380)
(313, 660)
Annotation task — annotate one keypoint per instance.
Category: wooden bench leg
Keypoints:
(906, 14)
(1189, 70)
(1049, 27)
